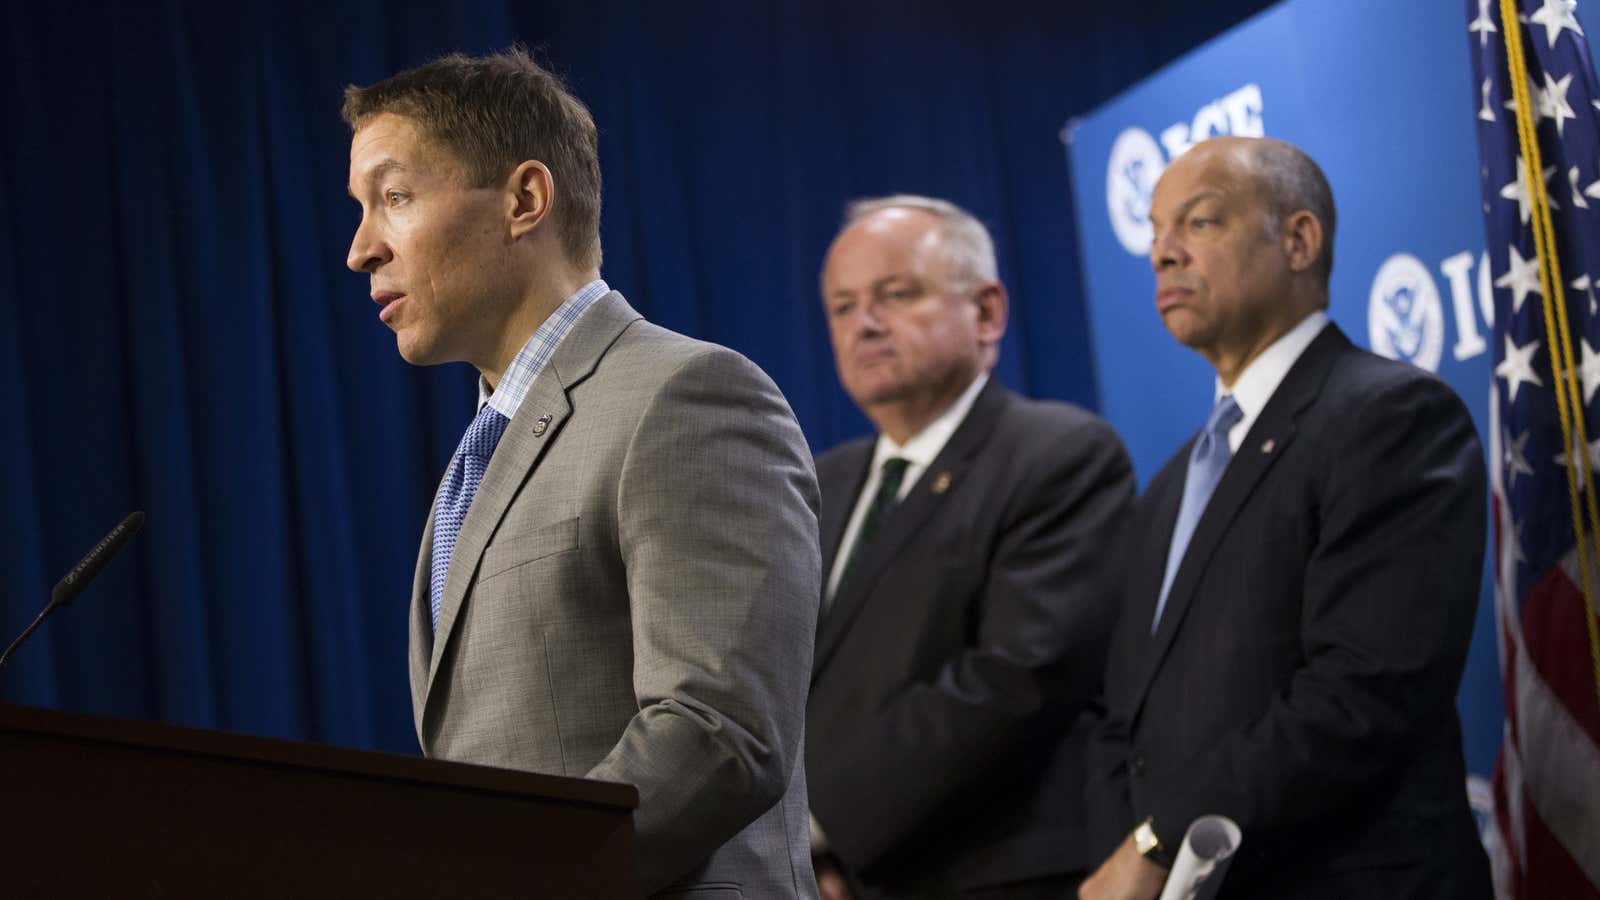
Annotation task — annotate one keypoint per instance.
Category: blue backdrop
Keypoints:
(178, 333)
(1382, 95)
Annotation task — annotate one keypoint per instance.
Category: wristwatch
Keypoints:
(1150, 846)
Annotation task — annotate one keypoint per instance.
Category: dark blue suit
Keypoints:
(946, 723)
(1303, 676)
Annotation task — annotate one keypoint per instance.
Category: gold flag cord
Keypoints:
(1568, 391)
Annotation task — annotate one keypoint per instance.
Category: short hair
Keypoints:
(495, 112)
(963, 241)
(1293, 182)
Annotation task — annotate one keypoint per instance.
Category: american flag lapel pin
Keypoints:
(1268, 445)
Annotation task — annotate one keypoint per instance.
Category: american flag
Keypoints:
(1544, 839)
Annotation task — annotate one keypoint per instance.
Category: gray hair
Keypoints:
(1293, 182)
(964, 242)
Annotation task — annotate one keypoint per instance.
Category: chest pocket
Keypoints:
(509, 552)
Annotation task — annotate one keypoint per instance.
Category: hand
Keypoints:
(831, 884)
(1126, 875)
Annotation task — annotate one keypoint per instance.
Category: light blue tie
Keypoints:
(1207, 461)
(460, 486)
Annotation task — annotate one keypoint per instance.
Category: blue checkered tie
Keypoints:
(455, 498)
(1207, 461)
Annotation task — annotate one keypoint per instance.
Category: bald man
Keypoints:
(965, 580)
(1299, 581)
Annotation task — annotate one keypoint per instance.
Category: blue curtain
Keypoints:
(178, 332)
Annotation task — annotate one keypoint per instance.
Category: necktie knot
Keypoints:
(484, 434)
(894, 472)
(1224, 416)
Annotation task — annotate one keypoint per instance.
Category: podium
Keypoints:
(97, 807)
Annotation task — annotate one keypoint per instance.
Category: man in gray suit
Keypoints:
(619, 576)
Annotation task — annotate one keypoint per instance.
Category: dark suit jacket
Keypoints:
(957, 657)
(1303, 677)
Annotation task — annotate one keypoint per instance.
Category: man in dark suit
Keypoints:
(1299, 581)
(965, 580)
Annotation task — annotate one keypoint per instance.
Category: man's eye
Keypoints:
(394, 197)
(900, 295)
(1201, 224)
(842, 309)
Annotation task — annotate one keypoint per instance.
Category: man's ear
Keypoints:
(992, 311)
(531, 191)
(1302, 240)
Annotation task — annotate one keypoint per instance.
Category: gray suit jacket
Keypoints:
(633, 597)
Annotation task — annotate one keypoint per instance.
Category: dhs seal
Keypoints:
(1405, 320)
(1136, 162)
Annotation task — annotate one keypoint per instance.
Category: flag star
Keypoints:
(1487, 112)
(1522, 278)
(1516, 458)
(1555, 16)
(1517, 367)
(1586, 284)
(1589, 370)
(1520, 190)
(1592, 457)
(1577, 192)
(1513, 548)
(1483, 25)
(1553, 102)
(1593, 190)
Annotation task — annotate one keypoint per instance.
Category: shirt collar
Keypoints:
(924, 447)
(1256, 384)
(506, 397)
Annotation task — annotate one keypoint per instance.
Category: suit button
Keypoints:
(1136, 765)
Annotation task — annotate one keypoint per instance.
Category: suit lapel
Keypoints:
(1163, 497)
(929, 494)
(836, 513)
(1261, 448)
(420, 645)
(519, 452)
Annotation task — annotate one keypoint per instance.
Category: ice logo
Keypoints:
(1135, 166)
(1405, 319)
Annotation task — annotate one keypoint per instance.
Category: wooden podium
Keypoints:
(99, 807)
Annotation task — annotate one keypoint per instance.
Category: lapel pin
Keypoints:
(541, 425)
(1268, 445)
(941, 483)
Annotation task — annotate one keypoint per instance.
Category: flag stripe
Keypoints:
(1554, 642)
(1548, 758)
(1552, 871)
(1507, 848)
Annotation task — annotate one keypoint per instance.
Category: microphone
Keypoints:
(69, 587)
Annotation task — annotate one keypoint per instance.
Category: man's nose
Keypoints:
(367, 251)
(869, 317)
(1165, 251)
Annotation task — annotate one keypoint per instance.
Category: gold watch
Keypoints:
(1146, 842)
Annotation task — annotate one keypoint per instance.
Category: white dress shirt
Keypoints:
(920, 451)
(1257, 383)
